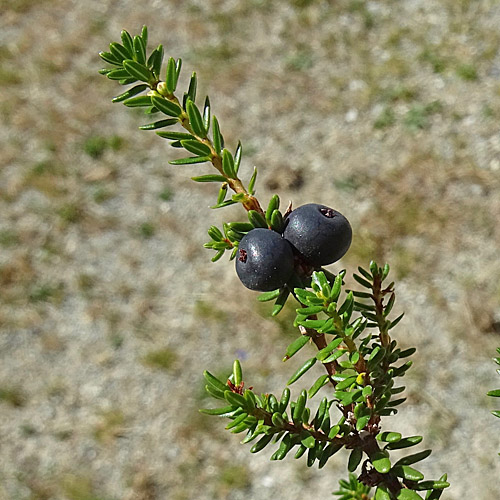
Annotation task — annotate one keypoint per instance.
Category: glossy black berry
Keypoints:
(320, 234)
(264, 261)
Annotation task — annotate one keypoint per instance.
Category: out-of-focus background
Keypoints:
(110, 308)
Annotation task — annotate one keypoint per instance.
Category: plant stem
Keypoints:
(249, 201)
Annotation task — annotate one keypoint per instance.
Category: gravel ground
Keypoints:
(109, 306)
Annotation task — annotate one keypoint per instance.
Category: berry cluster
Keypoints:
(313, 236)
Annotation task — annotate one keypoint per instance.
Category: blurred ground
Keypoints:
(110, 308)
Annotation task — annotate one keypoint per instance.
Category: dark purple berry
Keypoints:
(320, 234)
(264, 261)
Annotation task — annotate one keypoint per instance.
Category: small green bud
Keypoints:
(162, 89)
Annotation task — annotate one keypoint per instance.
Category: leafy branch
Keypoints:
(350, 329)
(131, 65)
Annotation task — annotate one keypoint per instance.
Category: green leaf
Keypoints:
(178, 66)
(436, 493)
(222, 194)
(302, 449)
(206, 114)
(221, 412)
(330, 450)
(365, 273)
(496, 413)
(432, 485)
(138, 102)
(216, 136)
(309, 441)
(235, 399)
(127, 42)
(110, 58)
(190, 161)
(257, 219)
(308, 311)
(362, 422)
(299, 407)
(382, 493)
(209, 178)
(196, 147)
(362, 281)
(407, 352)
(217, 256)
(137, 70)
(228, 164)
(285, 446)
(139, 50)
(321, 382)
(385, 271)
(274, 204)
(118, 74)
(243, 426)
(237, 157)
(495, 393)
(280, 301)
(175, 136)
(237, 373)
(285, 398)
(405, 443)
(159, 124)
(277, 420)
(346, 383)
(127, 81)
(166, 107)
(155, 60)
(193, 84)
(131, 93)
(171, 76)
(413, 459)
(367, 391)
(215, 233)
(392, 324)
(144, 35)
(261, 443)
(195, 119)
(390, 304)
(214, 381)
(237, 421)
(406, 494)
(251, 184)
(252, 433)
(389, 437)
(151, 111)
(374, 268)
(119, 51)
(214, 392)
(303, 369)
(276, 222)
(296, 346)
(251, 399)
(354, 459)
(267, 296)
(315, 324)
(223, 204)
(323, 353)
(407, 472)
(381, 462)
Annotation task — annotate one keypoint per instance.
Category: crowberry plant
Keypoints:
(282, 254)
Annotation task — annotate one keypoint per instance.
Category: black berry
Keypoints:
(320, 234)
(264, 261)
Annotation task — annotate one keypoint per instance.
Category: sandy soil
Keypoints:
(109, 306)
